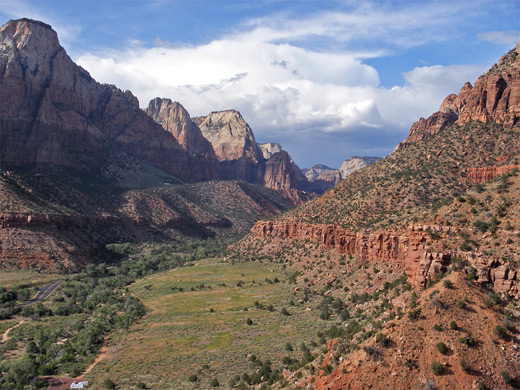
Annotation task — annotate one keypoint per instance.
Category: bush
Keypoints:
(481, 385)
(437, 367)
(214, 383)
(464, 364)
(284, 312)
(193, 378)
(109, 384)
(382, 340)
(249, 321)
(442, 348)
(506, 377)
(289, 347)
(453, 325)
(437, 328)
(500, 332)
(448, 284)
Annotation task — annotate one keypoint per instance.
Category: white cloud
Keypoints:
(509, 38)
(285, 89)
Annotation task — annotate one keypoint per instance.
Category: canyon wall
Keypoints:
(412, 250)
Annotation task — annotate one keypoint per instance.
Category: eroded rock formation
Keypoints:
(173, 117)
(412, 250)
(354, 164)
(57, 114)
(495, 97)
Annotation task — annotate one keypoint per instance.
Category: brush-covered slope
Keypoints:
(62, 220)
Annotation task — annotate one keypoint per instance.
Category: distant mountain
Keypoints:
(355, 163)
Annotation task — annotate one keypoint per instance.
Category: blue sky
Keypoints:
(327, 79)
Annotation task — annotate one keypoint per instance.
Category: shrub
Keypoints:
(284, 312)
(109, 384)
(464, 364)
(506, 377)
(448, 283)
(481, 385)
(437, 367)
(289, 347)
(437, 328)
(249, 321)
(500, 332)
(193, 378)
(442, 348)
(453, 325)
(214, 383)
(382, 340)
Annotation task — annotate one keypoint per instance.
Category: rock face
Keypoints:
(313, 172)
(495, 97)
(280, 173)
(234, 144)
(269, 149)
(411, 250)
(355, 163)
(173, 117)
(485, 174)
(57, 114)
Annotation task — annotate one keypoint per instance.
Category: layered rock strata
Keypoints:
(412, 250)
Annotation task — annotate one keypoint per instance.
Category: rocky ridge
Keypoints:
(495, 97)
(57, 114)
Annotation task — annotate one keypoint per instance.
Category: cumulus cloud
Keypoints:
(324, 103)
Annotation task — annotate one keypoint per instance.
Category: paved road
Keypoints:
(44, 292)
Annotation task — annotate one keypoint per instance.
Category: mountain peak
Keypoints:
(31, 36)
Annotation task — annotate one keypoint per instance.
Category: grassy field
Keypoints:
(29, 278)
(202, 329)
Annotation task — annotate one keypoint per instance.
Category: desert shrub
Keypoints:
(249, 321)
(214, 383)
(437, 328)
(442, 348)
(453, 325)
(500, 331)
(506, 377)
(109, 384)
(382, 340)
(464, 364)
(437, 367)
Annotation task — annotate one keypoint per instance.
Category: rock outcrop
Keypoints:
(173, 117)
(280, 173)
(57, 114)
(234, 144)
(313, 172)
(412, 250)
(495, 97)
(269, 149)
(485, 174)
(356, 163)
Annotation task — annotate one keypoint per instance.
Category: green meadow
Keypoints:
(205, 321)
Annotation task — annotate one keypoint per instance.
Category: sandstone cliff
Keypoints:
(354, 164)
(57, 114)
(269, 149)
(495, 97)
(173, 117)
(280, 173)
(412, 250)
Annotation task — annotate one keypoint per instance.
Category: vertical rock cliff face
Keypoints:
(280, 173)
(412, 250)
(356, 163)
(495, 97)
(234, 144)
(53, 112)
(174, 118)
(269, 149)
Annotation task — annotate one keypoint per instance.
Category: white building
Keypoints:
(79, 385)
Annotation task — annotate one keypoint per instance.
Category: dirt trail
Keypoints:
(102, 354)
(6, 333)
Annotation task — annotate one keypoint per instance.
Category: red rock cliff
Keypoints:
(495, 97)
(412, 250)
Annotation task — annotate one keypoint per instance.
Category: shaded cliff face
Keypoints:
(495, 97)
(173, 117)
(280, 173)
(57, 114)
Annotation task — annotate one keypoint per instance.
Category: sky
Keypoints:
(326, 79)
